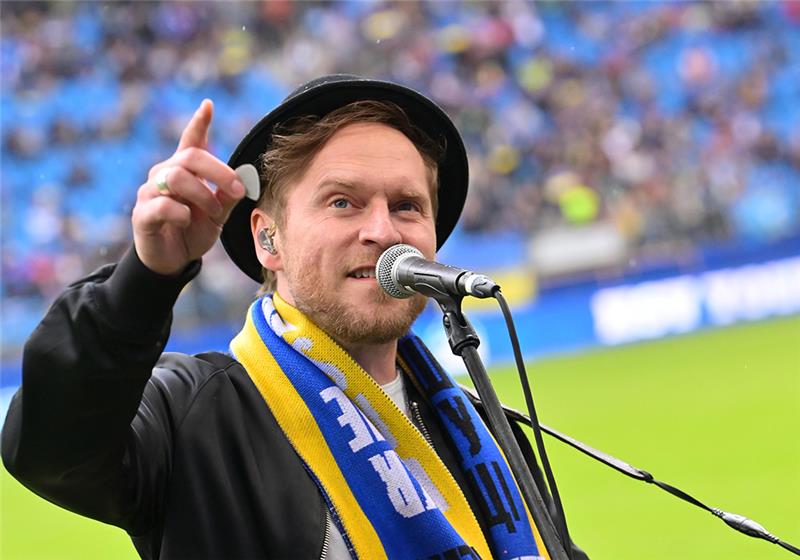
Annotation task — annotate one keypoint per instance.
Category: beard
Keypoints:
(349, 323)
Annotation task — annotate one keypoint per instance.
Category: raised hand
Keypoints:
(180, 220)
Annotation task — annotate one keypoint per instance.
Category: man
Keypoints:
(329, 432)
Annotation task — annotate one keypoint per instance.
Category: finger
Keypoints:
(150, 216)
(187, 187)
(229, 201)
(195, 134)
(206, 166)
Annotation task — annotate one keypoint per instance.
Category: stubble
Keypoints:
(351, 323)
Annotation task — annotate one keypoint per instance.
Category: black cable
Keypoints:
(537, 433)
(735, 521)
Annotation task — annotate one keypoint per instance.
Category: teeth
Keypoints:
(364, 273)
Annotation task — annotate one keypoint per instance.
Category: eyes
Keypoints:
(342, 203)
(408, 206)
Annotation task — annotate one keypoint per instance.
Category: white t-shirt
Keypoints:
(396, 390)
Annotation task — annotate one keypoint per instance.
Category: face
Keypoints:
(365, 191)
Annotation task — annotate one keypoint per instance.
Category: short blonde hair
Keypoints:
(296, 142)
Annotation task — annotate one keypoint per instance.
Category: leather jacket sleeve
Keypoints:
(74, 432)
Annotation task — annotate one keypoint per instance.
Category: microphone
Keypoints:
(403, 271)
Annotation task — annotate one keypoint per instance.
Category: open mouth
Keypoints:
(361, 273)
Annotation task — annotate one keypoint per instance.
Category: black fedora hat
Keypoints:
(319, 97)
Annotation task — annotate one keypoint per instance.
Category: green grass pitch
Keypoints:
(716, 414)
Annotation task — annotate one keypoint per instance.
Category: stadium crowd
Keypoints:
(679, 123)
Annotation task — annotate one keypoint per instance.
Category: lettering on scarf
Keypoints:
(499, 509)
(363, 433)
(400, 489)
(456, 411)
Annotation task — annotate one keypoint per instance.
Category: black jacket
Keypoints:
(179, 451)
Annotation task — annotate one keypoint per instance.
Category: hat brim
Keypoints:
(321, 98)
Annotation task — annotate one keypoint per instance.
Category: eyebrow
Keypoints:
(348, 185)
(343, 184)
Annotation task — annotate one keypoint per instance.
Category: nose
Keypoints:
(379, 228)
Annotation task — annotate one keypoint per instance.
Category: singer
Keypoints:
(329, 431)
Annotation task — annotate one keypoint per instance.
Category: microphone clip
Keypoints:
(460, 332)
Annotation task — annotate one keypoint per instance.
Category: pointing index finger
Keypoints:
(196, 132)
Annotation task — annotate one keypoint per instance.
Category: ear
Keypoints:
(259, 220)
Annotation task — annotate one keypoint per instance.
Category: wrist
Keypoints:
(140, 297)
(160, 267)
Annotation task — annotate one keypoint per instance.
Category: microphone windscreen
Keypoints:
(385, 266)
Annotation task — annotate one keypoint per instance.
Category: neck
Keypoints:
(378, 360)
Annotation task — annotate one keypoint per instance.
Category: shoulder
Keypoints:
(191, 373)
(179, 379)
(200, 366)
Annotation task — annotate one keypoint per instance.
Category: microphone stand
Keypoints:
(464, 343)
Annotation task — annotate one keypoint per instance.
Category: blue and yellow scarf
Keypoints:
(388, 491)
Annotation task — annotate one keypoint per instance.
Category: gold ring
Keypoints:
(161, 182)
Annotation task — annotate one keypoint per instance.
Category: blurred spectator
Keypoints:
(679, 123)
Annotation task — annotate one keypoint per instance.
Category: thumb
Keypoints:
(195, 135)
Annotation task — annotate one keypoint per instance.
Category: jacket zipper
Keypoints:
(330, 522)
(326, 538)
(418, 418)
